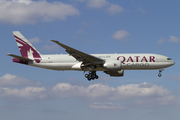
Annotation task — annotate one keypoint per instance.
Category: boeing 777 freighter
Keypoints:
(112, 64)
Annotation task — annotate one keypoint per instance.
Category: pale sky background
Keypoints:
(92, 26)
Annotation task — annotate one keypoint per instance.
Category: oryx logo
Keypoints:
(115, 64)
(27, 50)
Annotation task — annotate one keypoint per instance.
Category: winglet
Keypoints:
(62, 45)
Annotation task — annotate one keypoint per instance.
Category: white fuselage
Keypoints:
(112, 64)
(129, 61)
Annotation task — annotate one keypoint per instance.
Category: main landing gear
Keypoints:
(91, 76)
(160, 72)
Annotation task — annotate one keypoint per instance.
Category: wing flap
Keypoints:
(19, 57)
(80, 56)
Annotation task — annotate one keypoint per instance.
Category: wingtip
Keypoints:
(54, 41)
(8, 54)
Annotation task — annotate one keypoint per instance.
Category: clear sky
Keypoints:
(92, 26)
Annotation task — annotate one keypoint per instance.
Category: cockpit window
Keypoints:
(169, 59)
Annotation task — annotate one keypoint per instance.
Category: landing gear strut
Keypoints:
(160, 72)
(91, 76)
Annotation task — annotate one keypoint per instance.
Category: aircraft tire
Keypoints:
(86, 75)
(89, 78)
(159, 75)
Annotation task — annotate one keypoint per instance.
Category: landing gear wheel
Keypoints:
(159, 75)
(86, 75)
(97, 77)
(91, 76)
(160, 72)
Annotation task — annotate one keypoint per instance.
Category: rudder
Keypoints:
(26, 49)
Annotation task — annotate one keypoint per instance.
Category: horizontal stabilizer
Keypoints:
(19, 57)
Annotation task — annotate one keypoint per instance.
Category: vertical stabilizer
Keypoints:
(26, 48)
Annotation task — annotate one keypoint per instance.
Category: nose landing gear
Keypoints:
(91, 76)
(160, 72)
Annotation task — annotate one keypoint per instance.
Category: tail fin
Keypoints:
(26, 48)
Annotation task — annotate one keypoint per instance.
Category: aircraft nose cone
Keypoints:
(173, 63)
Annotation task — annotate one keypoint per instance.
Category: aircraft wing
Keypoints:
(19, 57)
(80, 56)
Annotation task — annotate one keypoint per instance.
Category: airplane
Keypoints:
(112, 64)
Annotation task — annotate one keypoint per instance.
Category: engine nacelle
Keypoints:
(113, 65)
(115, 73)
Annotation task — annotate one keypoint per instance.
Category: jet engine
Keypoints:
(113, 68)
(115, 73)
(113, 65)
